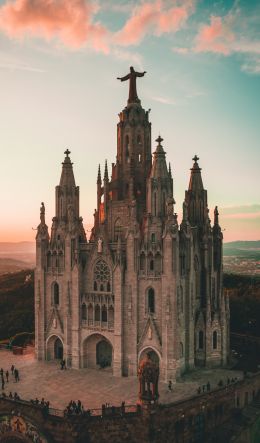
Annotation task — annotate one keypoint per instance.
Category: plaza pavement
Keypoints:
(94, 387)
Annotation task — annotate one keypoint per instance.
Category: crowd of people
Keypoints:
(207, 387)
(75, 408)
(44, 404)
(5, 376)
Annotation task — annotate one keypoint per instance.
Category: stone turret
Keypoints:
(159, 184)
(196, 197)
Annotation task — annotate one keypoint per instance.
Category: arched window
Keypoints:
(108, 287)
(163, 204)
(201, 340)
(49, 260)
(110, 316)
(181, 349)
(84, 312)
(56, 295)
(104, 314)
(151, 301)
(97, 313)
(117, 229)
(153, 237)
(197, 276)
(158, 263)
(90, 313)
(215, 340)
(151, 265)
(154, 204)
(127, 148)
(102, 276)
(142, 261)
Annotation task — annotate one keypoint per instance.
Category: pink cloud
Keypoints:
(153, 18)
(70, 21)
(216, 37)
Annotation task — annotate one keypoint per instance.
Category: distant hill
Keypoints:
(12, 265)
(16, 256)
(246, 249)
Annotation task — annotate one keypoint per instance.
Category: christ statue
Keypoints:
(133, 97)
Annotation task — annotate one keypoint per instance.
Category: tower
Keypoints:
(143, 283)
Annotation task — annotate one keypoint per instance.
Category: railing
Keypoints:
(97, 324)
(98, 412)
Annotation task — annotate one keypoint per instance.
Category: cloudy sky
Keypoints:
(59, 60)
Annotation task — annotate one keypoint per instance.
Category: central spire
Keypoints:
(133, 97)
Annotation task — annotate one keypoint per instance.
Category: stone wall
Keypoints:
(199, 419)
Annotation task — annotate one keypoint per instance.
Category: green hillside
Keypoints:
(16, 303)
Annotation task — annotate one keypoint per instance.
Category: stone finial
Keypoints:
(42, 213)
(216, 214)
(99, 175)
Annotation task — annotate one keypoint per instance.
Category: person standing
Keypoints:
(3, 383)
(7, 376)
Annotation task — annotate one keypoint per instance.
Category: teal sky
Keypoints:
(58, 66)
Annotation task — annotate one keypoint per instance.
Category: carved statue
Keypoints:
(170, 203)
(100, 245)
(185, 211)
(148, 375)
(42, 214)
(133, 97)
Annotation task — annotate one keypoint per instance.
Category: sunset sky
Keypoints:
(59, 60)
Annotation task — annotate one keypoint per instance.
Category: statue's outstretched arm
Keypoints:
(140, 74)
(126, 77)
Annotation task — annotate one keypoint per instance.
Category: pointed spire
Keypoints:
(159, 167)
(216, 214)
(67, 176)
(99, 176)
(170, 170)
(195, 178)
(106, 172)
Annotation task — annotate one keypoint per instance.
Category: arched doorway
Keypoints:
(97, 352)
(152, 354)
(58, 349)
(54, 348)
(104, 353)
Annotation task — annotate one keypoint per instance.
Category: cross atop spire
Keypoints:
(159, 140)
(67, 152)
(195, 158)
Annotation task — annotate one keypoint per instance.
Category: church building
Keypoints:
(146, 281)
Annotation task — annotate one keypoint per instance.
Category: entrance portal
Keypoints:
(54, 348)
(104, 353)
(58, 349)
(152, 354)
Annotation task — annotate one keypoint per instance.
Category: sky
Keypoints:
(59, 60)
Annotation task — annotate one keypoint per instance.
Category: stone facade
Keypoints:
(142, 282)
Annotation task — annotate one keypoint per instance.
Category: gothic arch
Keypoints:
(150, 300)
(55, 294)
(84, 311)
(117, 229)
(90, 348)
(147, 350)
(101, 275)
(54, 345)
